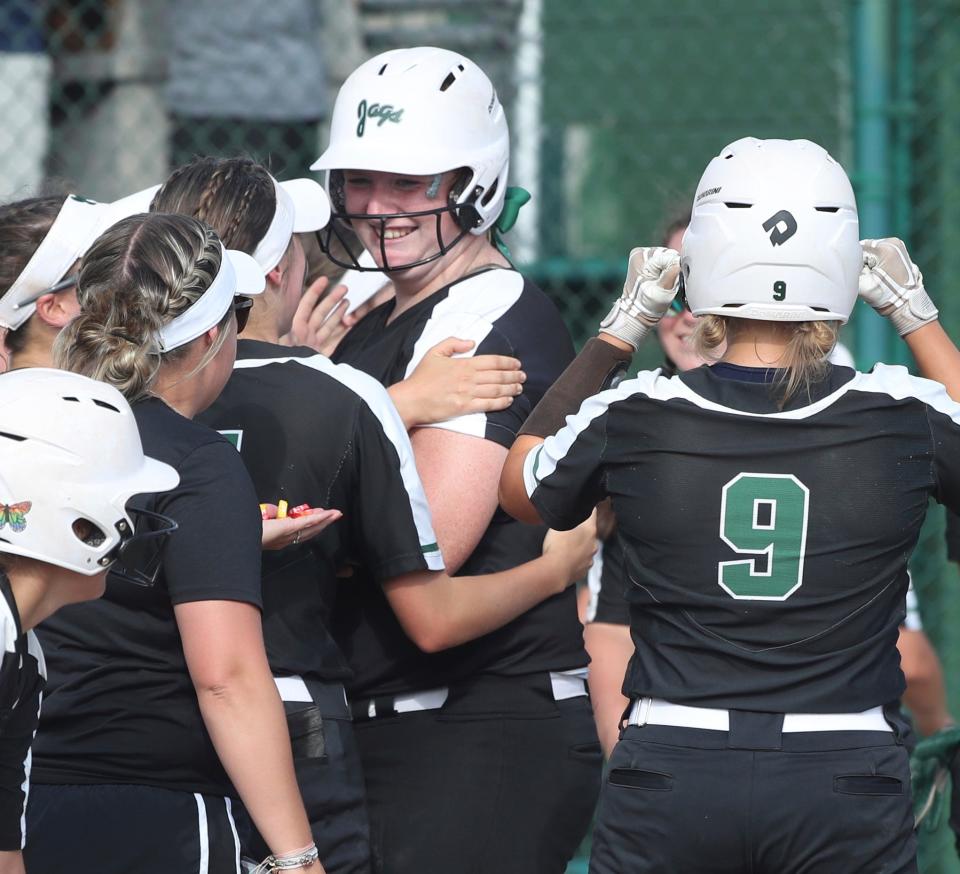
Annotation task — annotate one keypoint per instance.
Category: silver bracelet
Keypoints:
(288, 863)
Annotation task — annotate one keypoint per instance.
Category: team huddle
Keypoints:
(393, 678)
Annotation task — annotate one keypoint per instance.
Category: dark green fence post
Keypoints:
(871, 90)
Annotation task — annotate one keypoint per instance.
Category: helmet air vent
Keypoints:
(17, 437)
(451, 78)
(105, 405)
(734, 205)
(827, 208)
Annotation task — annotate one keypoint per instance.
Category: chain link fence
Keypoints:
(927, 211)
(616, 106)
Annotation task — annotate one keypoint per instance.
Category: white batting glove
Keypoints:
(893, 285)
(653, 275)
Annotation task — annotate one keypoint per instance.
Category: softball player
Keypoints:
(765, 604)
(275, 405)
(70, 458)
(162, 705)
(492, 743)
(41, 240)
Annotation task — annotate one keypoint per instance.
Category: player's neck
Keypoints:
(180, 388)
(262, 329)
(756, 344)
(35, 596)
(38, 352)
(267, 321)
(472, 254)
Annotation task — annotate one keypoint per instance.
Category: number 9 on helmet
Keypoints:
(773, 235)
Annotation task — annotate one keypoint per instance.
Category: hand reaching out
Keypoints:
(443, 386)
(289, 531)
(575, 548)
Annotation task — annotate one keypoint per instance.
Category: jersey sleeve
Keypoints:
(944, 418)
(390, 518)
(215, 552)
(563, 476)
(500, 426)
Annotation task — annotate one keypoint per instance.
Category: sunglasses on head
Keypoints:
(62, 285)
(242, 306)
(679, 303)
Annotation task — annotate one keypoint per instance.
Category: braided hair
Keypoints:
(235, 196)
(140, 275)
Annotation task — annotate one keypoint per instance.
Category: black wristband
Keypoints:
(591, 371)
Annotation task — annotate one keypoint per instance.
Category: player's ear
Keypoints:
(209, 337)
(275, 276)
(58, 309)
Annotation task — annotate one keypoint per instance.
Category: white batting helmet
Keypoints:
(422, 111)
(773, 235)
(70, 453)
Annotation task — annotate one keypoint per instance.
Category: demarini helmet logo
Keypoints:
(779, 235)
(375, 110)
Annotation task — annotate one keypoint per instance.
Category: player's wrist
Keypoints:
(405, 399)
(557, 574)
(305, 859)
(629, 329)
(915, 312)
(617, 343)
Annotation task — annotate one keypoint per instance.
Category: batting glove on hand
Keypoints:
(893, 285)
(653, 275)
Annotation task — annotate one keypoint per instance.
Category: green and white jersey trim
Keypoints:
(468, 311)
(895, 381)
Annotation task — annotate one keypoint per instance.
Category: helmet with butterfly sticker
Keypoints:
(70, 459)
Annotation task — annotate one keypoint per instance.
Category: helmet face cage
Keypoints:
(464, 214)
(137, 556)
(421, 111)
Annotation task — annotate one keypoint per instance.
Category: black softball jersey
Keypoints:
(505, 315)
(22, 677)
(120, 706)
(313, 432)
(765, 550)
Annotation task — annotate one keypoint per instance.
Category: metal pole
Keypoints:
(527, 128)
(871, 54)
(905, 111)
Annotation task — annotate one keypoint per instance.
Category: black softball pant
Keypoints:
(682, 800)
(330, 778)
(119, 829)
(468, 790)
